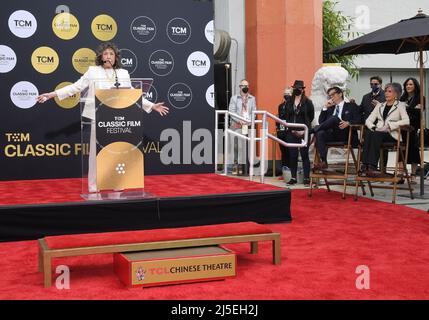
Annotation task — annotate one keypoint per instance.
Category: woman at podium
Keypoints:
(107, 73)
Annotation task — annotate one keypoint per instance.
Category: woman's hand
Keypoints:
(46, 96)
(383, 129)
(298, 134)
(160, 108)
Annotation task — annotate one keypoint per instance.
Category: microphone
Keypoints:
(116, 84)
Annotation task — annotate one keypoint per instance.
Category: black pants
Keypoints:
(328, 131)
(372, 144)
(413, 147)
(293, 157)
(284, 151)
(285, 156)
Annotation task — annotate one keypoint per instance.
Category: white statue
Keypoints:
(325, 78)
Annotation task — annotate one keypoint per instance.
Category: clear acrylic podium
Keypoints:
(112, 139)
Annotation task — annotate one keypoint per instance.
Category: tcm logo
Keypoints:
(179, 30)
(159, 271)
(127, 61)
(199, 63)
(23, 23)
(149, 96)
(104, 27)
(45, 59)
(17, 137)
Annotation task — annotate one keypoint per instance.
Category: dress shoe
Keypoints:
(320, 166)
(376, 174)
(292, 182)
(241, 169)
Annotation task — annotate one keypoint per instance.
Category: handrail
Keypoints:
(252, 138)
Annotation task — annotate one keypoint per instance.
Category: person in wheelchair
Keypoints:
(383, 125)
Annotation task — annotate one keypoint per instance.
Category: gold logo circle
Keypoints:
(70, 102)
(65, 26)
(104, 27)
(82, 59)
(45, 60)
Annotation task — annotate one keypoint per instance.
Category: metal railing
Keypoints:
(253, 139)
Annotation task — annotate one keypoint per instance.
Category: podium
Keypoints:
(112, 139)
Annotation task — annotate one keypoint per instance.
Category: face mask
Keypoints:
(375, 88)
(245, 89)
(297, 92)
(286, 97)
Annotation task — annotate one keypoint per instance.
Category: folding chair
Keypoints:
(343, 174)
(401, 155)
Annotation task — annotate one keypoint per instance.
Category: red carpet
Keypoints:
(68, 190)
(321, 249)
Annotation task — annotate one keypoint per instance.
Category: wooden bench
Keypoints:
(113, 242)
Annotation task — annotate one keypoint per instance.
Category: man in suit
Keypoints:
(370, 100)
(334, 124)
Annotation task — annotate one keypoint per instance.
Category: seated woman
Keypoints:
(383, 126)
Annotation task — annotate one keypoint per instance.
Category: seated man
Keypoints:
(334, 121)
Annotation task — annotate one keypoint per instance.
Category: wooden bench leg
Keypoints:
(47, 270)
(254, 247)
(277, 259)
(40, 259)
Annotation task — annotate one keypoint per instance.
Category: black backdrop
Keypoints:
(46, 126)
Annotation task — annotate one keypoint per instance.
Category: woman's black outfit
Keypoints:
(281, 134)
(414, 115)
(302, 113)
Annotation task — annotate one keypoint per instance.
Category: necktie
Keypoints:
(337, 111)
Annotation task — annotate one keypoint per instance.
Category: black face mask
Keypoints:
(375, 88)
(297, 92)
(245, 90)
(286, 97)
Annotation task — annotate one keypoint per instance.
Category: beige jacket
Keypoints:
(397, 117)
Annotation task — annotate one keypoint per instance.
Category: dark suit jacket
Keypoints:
(366, 106)
(350, 114)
